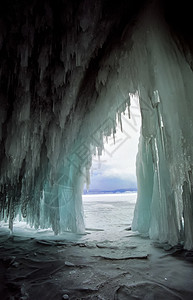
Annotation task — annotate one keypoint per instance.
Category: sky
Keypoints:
(116, 169)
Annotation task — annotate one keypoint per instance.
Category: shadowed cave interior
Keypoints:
(67, 70)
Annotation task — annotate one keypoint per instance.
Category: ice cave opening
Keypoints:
(110, 198)
(63, 72)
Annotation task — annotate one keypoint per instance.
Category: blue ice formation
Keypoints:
(67, 71)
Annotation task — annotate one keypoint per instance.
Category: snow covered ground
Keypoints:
(109, 213)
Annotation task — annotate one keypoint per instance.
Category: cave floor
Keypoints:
(92, 267)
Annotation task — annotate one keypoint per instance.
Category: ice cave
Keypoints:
(68, 69)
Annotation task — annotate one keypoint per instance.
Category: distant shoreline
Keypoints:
(118, 191)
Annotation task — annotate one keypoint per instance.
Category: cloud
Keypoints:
(117, 165)
(112, 183)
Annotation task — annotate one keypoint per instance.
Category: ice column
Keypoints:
(164, 205)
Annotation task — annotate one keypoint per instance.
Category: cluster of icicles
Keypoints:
(51, 119)
(64, 105)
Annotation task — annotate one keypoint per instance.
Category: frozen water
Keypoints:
(110, 213)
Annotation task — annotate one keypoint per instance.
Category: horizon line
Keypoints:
(97, 191)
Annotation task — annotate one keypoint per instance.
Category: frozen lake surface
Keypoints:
(110, 213)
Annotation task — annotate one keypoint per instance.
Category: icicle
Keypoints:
(120, 121)
(129, 112)
(161, 127)
(87, 178)
(24, 52)
(155, 99)
(114, 133)
(156, 105)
